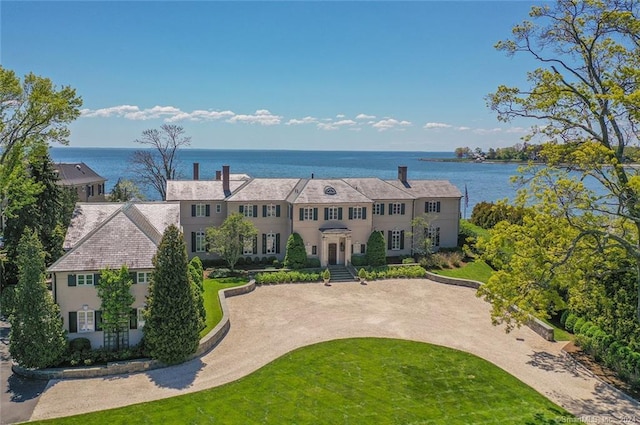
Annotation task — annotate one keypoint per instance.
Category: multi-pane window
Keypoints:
(396, 208)
(143, 277)
(248, 210)
(140, 316)
(433, 233)
(314, 250)
(271, 210)
(200, 242)
(271, 243)
(86, 321)
(85, 279)
(218, 208)
(378, 208)
(432, 207)
(395, 240)
(247, 246)
(357, 213)
(332, 213)
(201, 210)
(307, 213)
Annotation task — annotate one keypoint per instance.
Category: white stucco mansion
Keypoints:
(334, 217)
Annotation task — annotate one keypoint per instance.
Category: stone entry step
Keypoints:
(340, 274)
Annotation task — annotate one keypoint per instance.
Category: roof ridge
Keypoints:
(138, 218)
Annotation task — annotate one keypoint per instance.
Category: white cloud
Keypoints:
(327, 126)
(305, 120)
(344, 122)
(340, 116)
(431, 125)
(152, 113)
(200, 115)
(487, 130)
(365, 117)
(390, 123)
(462, 128)
(516, 130)
(262, 117)
(114, 111)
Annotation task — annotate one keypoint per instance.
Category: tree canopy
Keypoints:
(296, 255)
(585, 98)
(115, 292)
(34, 111)
(228, 240)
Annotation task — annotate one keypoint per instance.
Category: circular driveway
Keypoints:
(273, 320)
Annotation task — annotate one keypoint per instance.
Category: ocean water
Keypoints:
(484, 181)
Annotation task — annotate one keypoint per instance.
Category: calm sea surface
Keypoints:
(485, 182)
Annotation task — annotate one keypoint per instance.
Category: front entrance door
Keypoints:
(333, 253)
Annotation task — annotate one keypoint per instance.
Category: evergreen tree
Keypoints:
(376, 254)
(35, 200)
(195, 277)
(115, 292)
(37, 338)
(171, 331)
(296, 256)
(198, 273)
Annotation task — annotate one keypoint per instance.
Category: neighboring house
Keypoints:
(334, 217)
(108, 235)
(83, 180)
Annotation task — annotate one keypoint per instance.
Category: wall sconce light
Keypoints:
(85, 307)
(341, 246)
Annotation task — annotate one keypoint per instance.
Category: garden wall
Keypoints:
(133, 366)
(536, 325)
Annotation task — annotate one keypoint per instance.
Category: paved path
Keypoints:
(19, 395)
(274, 320)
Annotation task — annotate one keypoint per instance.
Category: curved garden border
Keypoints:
(207, 342)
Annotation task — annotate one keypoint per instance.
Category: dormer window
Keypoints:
(329, 190)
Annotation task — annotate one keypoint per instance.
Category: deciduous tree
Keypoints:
(171, 330)
(227, 241)
(155, 166)
(34, 111)
(37, 338)
(114, 290)
(125, 191)
(585, 96)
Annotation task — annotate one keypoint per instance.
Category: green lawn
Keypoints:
(354, 381)
(212, 302)
(559, 334)
(477, 270)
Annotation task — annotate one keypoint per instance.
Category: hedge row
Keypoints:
(604, 348)
(395, 272)
(268, 278)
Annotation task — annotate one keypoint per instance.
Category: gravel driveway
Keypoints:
(274, 320)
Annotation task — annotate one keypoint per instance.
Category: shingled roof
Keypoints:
(329, 191)
(377, 189)
(265, 190)
(199, 190)
(428, 188)
(130, 236)
(76, 173)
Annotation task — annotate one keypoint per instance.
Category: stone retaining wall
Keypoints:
(209, 341)
(536, 325)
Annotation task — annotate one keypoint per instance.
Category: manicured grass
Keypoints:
(354, 381)
(477, 270)
(212, 302)
(559, 334)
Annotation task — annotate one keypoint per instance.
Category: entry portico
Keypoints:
(336, 246)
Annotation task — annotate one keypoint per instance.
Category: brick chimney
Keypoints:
(218, 175)
(225, 180)
(196, 171)
(402, 173)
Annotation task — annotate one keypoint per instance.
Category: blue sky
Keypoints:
(408, 76)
